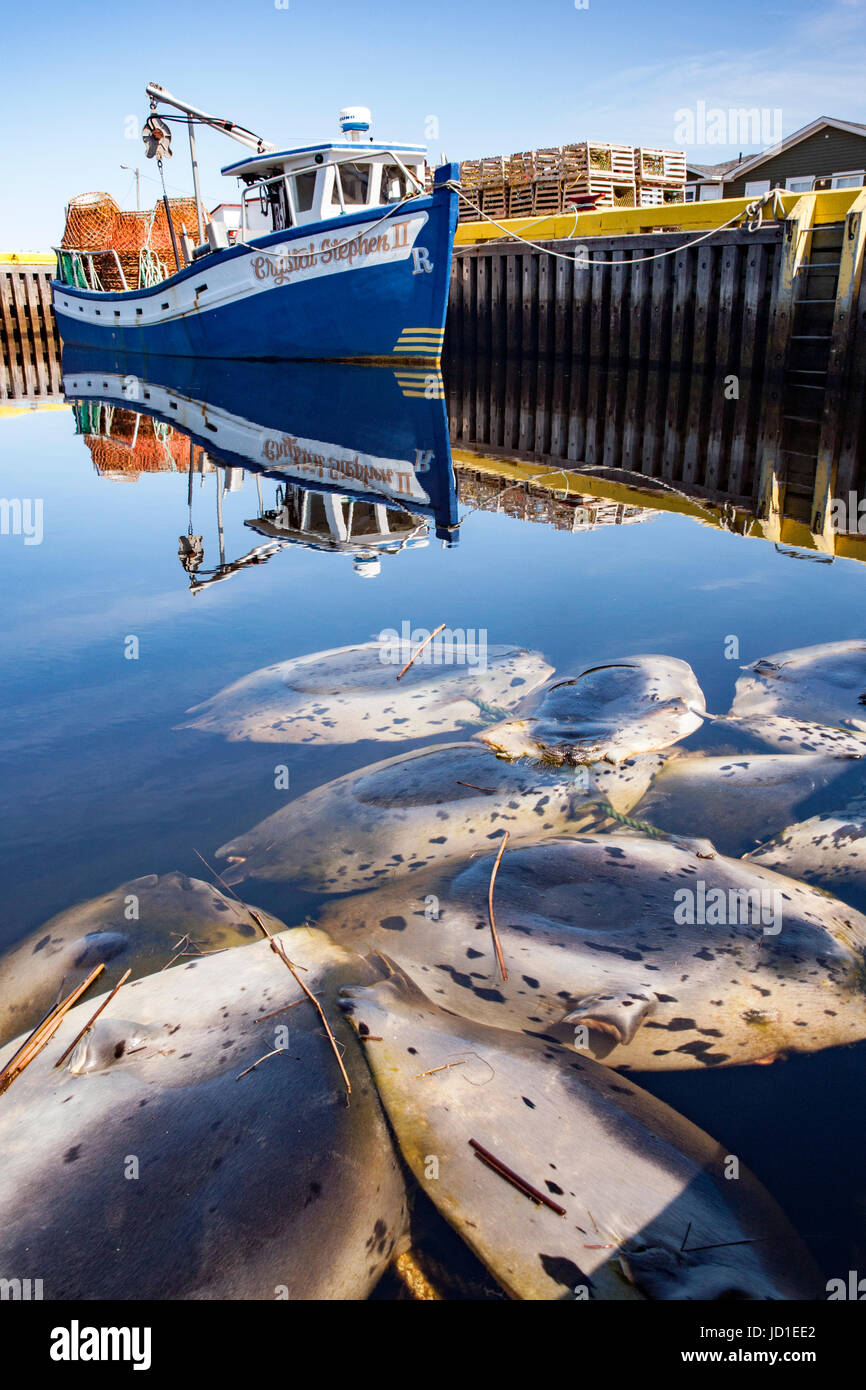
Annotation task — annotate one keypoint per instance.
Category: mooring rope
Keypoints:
(753, 213)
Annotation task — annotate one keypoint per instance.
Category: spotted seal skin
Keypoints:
(600, 951)
(825, 684)
(264, 1187)
(827, 850)
(398, 817)
(173, 911)
(740, 800)
(643, 1190)
(351, 694)
(637, 704)
(778, 734)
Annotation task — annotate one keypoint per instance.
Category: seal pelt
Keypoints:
(142, 925)
(351, 693)
(644, 1207)
(639, 952)
(161, 1171)
(614, 710)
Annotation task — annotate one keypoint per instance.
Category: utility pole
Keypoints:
(137, 173)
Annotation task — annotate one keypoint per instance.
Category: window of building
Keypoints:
(852, 179)
(800, 183)
(757, 187)
(305, 187)
(355, 179)
(690, 192)
(708, 191)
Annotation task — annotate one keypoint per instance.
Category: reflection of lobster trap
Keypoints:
(123, 442)
(103, 247)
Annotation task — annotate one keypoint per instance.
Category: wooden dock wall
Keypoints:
(734, 366)
(29, 342)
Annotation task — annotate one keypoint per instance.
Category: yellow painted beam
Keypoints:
(27, 258)
(830, 206)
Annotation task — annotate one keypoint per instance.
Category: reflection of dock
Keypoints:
(735, 365)
(572, 430)
(29, 342)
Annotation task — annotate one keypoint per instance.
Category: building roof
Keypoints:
(712, 171)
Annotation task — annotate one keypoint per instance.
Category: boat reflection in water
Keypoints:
(360, 455)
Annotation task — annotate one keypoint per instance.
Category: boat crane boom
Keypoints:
(230, 128)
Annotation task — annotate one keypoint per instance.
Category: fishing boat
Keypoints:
(343, 254)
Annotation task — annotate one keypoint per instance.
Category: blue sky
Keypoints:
(495, 77)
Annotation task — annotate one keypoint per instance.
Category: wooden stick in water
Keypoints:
(44, 1032)
(277, 948)
(275, 1053)
(425, 643)
(493, 930)
(514, 1178)
(90, 1022)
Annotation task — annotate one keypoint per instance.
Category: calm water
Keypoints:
(99, 787)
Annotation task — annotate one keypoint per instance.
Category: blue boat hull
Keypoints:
(370, 288)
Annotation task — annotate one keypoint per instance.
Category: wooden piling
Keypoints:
(29, 342)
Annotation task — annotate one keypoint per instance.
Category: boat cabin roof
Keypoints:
(302, 154)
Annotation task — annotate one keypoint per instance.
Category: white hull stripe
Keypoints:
(243, 277)
(312, 460)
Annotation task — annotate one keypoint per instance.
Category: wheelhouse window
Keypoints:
(395, 185)
(305, 187)
(355, 179)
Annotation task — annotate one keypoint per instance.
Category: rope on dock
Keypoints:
(753, 213)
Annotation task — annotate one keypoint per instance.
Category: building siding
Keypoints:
(826, 152)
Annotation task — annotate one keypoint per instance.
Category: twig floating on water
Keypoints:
(474, 788)
(261, 1059)
(514, 1178)
(90, 1022)
(425, 643)
(493, 931)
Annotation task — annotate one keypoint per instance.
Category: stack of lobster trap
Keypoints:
(543, 182)
(660, 177)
